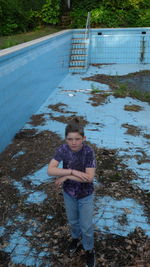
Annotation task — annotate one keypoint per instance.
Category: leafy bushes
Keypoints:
(10, 14)
(23, 15)
(78, 17)
(107, 18)
(114, 13)
(144, 18)
(51, 12)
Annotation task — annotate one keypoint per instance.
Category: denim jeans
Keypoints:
(80, 217)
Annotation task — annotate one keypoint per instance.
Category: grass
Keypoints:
(123, 91)
(8, 41)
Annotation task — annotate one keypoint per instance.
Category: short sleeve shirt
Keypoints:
(80, 160)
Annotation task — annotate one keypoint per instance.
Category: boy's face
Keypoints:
(75, 141)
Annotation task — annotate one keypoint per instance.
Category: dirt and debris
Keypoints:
(101, 64)
(37, 120)
(51, 234)
(114, 178)
(136, 85)
(64, 119)
(99, 98)
(134, 108)
(138, 80)
(124, 251)
(37, 148)
(131, 129)
(147, 136)
(60, 107)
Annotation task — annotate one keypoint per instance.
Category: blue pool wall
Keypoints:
(122, 46)
(119, 46)
(29, 73)
(27, 77)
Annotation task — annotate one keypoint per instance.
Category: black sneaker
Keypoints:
(90, 258)
(72, 248)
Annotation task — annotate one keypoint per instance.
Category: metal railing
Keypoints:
(87, 29)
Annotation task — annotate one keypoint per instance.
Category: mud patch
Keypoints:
(137, 80)
(136, 85)
(37, 120)
(131, 129)
(101, 64)
(134, 108)
(147, 136)
(98, 98)
(59, 107)
(142, 158)
(68, 119)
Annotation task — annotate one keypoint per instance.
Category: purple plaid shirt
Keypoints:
(84, 158)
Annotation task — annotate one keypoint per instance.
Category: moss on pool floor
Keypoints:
(136, 85)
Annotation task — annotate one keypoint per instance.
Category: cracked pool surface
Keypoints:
(122, 187)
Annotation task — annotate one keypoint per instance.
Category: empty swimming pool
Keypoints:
(35, 81)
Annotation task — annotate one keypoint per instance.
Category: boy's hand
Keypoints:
(82, 175)
(60, 181)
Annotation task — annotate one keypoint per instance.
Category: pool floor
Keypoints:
(33, 228)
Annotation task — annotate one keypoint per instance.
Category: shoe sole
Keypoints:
(77, 249)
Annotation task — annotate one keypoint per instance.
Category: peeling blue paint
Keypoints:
(2, 230)
(110, 211)
(36, 197)
(39, 176)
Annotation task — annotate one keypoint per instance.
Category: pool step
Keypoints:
(79, 53)
(77, 63)
(78, 57)
(76, 69)
(79, 45)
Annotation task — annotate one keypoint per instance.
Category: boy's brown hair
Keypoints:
(74, 127)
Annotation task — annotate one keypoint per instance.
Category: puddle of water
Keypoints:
(138, 83)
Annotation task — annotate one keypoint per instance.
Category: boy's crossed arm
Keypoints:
(83, 177)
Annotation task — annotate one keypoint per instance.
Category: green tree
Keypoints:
(12, 17)
(51, 11)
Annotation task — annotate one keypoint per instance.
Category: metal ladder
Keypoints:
(79, 58)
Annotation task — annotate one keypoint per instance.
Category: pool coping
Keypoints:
(18, 47)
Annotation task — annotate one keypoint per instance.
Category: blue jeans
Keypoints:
(80, 217)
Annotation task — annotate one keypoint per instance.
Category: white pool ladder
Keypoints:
(79, 57)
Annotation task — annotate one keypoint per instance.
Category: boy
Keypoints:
(76, 176)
